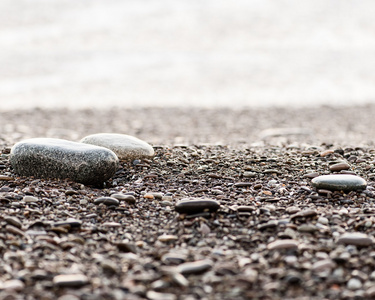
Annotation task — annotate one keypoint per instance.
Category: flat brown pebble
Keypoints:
(194, 206)
(339, 166)
(311, 175)
(355, 238)
(70, 280)
(195, 267)
(6, 178)
(107, 201)
(326, 152)
(283, 244)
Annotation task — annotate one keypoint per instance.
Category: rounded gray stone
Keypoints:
(56, 158)
(107, 201)
(339, 182)
(355, 238)
(193, 206)
(125, 146)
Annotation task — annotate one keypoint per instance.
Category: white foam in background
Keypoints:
(198, 52)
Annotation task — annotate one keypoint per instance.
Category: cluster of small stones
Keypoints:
(195, 222)
(91, 161)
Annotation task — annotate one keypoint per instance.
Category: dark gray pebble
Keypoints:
(195, 267)
(72, 222)
(196, 206)
(339, 182)
(107, 201)
(55, 158)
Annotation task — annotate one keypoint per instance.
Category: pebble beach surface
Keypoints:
(225, 209)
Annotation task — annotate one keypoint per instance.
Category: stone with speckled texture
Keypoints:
(339, 182)
(125, 146)
(56, 158)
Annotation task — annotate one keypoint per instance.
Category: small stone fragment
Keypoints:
(55, 158)
(339, 182)
(192, 206)
(125, 146)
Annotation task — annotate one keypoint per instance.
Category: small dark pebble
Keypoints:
(196, 205)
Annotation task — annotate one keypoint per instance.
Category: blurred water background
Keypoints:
(209, 53)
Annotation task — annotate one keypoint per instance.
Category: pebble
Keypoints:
(125, 146)
(13, 221)
(192, 206)
(70, 280)
(339, 166)
(123, 197)
(13, 285)
(283, 244)
(168, 238)
(196, 267)
(107, 201)
(355, 238)
(6, 178)
(55, 158)
(339, 182)
(322, 265)
(70, 221)
(29, 199)
(152, 295)
(354, 284)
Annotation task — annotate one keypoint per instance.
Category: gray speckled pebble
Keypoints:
(339, 182)
(55, 158)
(125, 146)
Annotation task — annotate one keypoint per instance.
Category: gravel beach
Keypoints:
(255, 227)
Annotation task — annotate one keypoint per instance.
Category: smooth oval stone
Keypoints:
(195, 267)
(55, 158)
(196, 206)
(125, 146)
(339, 166)
(283, 244)
(355, 238)
(339, 182)
(70, 280)
(107, 201)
